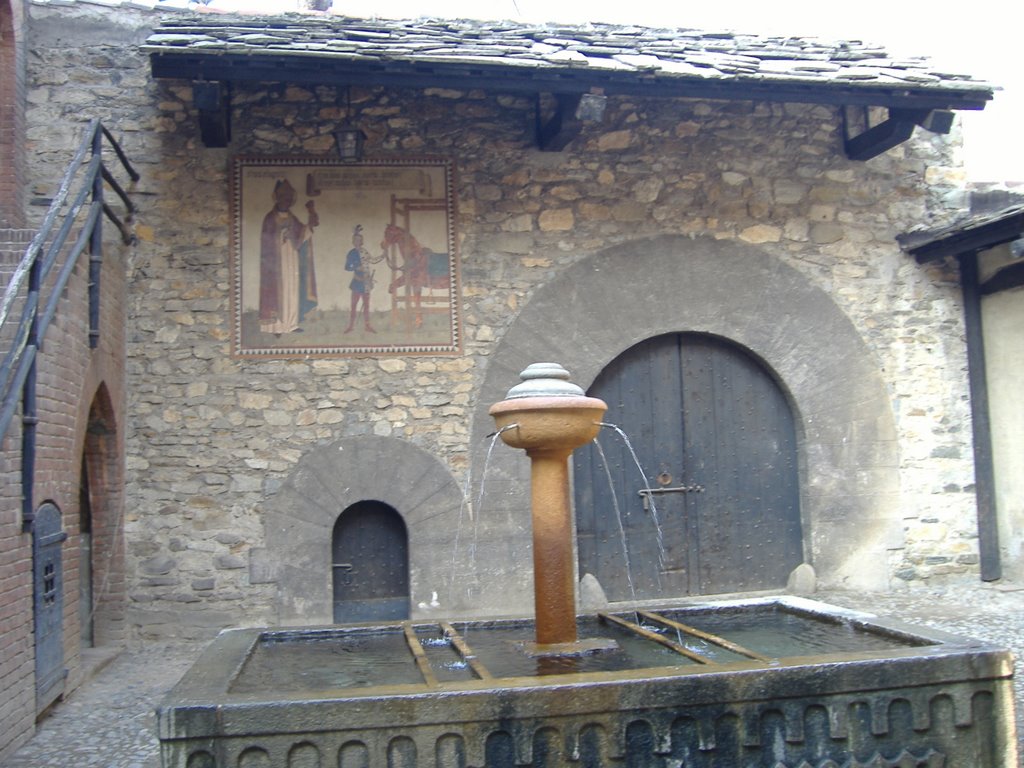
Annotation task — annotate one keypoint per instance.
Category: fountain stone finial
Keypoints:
(544, 380)
(549, 417)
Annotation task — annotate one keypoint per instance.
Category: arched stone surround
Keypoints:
(329, 479)
(608, 302)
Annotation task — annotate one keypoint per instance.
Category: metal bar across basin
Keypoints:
(418, 653)
(655, 637)
(711, 638)
(465, 651)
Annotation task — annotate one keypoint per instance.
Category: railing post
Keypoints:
(96, 248)
(29, 417)
(18, 372)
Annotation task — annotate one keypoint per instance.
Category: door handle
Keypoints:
(647, 493)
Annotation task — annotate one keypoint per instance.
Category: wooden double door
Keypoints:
(716, 508)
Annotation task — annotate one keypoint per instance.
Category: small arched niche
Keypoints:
(370, 564)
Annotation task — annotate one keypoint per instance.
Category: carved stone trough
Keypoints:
(779, 683)
(884, 695)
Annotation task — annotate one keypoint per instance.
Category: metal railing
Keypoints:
(39, 281)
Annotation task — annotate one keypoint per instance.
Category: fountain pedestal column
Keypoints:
(555, 604)
(549, 418)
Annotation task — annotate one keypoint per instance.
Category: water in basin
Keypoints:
(329, 659)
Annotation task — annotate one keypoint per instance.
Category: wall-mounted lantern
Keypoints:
(350, 141)
(347, 136)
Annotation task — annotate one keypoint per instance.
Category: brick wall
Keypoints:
(17, 709)
(81, 408)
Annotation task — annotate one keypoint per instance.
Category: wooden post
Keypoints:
(984, 473)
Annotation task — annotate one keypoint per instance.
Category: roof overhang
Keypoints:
(977, 233)
(564, 62)
(419, 73)
(971, 236)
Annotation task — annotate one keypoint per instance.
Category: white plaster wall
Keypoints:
(1003, 322)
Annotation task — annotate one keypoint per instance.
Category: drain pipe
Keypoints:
(984, 472)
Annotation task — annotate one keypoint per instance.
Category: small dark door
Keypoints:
(715, 436)
(48, 600)
(371, 564)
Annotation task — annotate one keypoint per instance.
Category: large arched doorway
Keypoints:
(715, 436)
(370, 564)
(849, 446)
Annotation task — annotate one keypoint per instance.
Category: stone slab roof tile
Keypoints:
(966, 222)
(669, 54)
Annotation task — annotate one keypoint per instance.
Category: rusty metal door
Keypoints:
(48, 538)
(717, 509)
(371, 564)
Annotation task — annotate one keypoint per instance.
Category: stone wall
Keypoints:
(12, 113)
(215, 444)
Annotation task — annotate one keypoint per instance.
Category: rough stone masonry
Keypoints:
(212, 439)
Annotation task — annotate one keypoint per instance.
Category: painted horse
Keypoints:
(420, 268)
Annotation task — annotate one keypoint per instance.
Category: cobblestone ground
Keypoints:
(109, 722)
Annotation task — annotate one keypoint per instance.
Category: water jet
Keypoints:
(782, 681)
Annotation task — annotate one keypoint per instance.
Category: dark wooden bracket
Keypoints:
(213, 100)
(894, 130)
(1005, 279)
(560, 117)
(557, 129)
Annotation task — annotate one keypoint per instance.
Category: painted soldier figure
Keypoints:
(357, 262)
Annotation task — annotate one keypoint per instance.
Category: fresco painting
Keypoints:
(334, 259)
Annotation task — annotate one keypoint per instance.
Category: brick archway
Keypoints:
(103, 498)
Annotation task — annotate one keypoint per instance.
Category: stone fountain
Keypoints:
(549, 417)
(779, 682)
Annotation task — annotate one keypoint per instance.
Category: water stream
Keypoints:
(618, 517)
(647, 487)
(474, 514)
(475, 510)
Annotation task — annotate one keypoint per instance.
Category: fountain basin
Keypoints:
(549, 424)
(782, 682)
